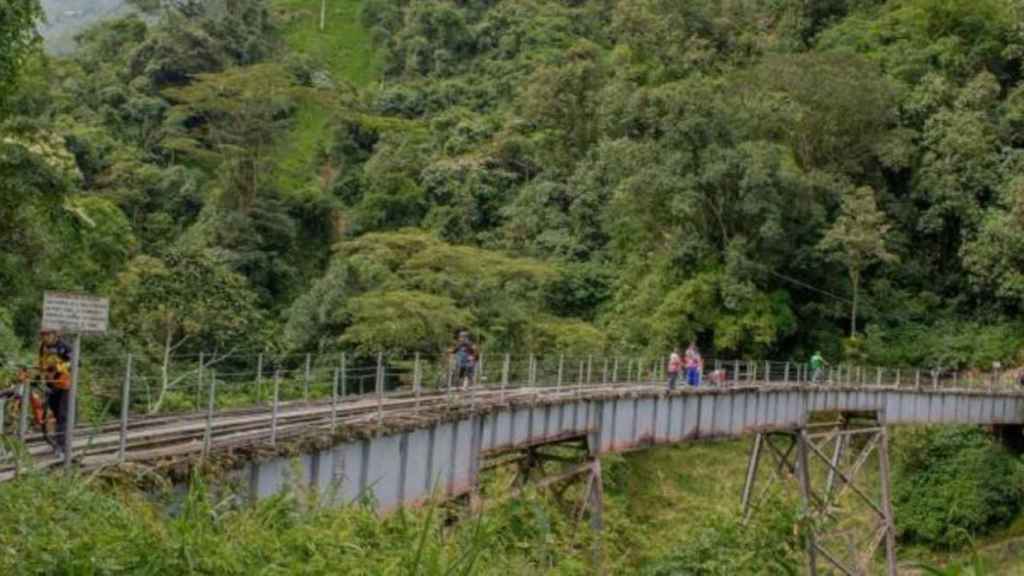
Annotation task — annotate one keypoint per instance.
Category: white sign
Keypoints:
(75, 313)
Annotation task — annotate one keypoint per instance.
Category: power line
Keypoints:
(801, 283)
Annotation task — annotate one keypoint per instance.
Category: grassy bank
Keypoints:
(665, 508)
(344, 52)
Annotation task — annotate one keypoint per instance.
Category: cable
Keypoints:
(800, 283)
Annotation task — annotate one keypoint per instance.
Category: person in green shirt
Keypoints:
(817, 366)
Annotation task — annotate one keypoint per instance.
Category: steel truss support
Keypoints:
(826, 463)
(571, 464)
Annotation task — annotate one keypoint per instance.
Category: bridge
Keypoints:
(406, 446)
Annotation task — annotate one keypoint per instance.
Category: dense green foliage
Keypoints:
(56, 525)
(951, 485)
(18, 39)
(585, 175)
(726, 546)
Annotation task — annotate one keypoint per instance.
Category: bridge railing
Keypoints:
(121, 395)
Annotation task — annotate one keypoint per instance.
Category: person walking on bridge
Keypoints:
(675, 367)
(694, 365)
(817, 365)
(464, 355)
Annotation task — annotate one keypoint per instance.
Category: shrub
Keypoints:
(951, 484)
(726, 546)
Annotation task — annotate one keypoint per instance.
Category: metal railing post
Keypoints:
(878, 377)
(305, 378)
(417, 380)
(125, 400)
(615, 370)
(380, 390)
(25, 392)
(604, 372)
(478, 373)
(259, 379)
(767, 372)
(276, 407)
(590, 364)
(344, 376)
(211, 402)
(917, 379)
(531, 371)
(334, 401)
(505, 367)
(199, 380)
(785, 377)
(561, 368)
(898, 379)
(579, 380)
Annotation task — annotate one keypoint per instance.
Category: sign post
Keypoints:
(76, 314)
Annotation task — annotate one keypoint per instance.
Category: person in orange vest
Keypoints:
(55, 367)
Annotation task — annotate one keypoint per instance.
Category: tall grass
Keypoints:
(53, 525)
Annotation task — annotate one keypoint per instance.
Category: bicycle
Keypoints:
(39, 416)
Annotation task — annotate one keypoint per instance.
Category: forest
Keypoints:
(767, 177)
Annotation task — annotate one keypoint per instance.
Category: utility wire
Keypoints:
(801, 283)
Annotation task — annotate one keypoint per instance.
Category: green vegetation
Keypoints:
(667, 511)
(83, 526)
(952, 485)
(343, 49)
(767, 180)
(766, 177)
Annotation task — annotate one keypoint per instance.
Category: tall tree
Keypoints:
(858, 239)
(184, 298)
(18, 39)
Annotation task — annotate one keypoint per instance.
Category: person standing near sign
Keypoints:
(55, 367)
(51, 344)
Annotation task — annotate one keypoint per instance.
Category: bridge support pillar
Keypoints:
(835, 456)
(556, 466)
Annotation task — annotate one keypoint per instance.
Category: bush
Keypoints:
(70, 525)
(726, 546)
(951, 484)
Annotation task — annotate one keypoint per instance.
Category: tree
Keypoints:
(185, 298)
(18, 40)
(378, 281)
(858, 239)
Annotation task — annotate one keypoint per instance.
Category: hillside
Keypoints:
(766, 178)
(669, 171)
